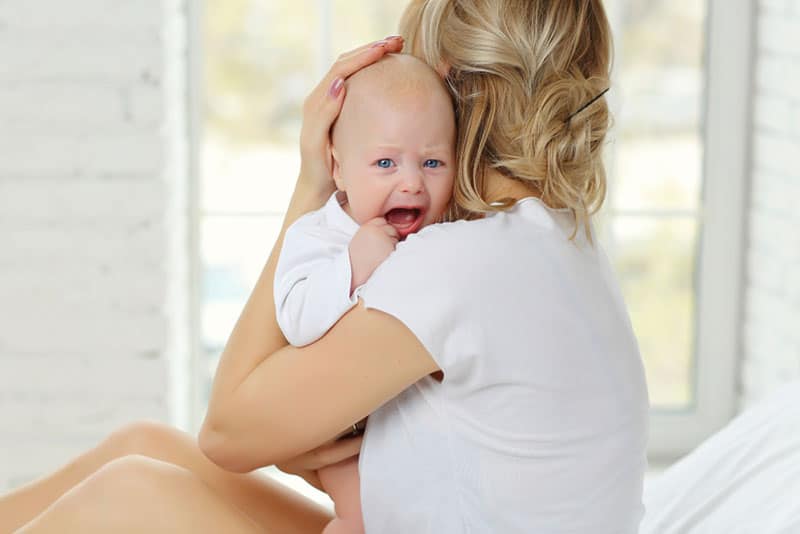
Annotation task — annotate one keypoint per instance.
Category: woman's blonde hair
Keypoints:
(518, 72)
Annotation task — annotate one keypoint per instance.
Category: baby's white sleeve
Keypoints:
(312, 282)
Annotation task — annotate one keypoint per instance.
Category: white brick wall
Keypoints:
(771, 331)
(92, 224)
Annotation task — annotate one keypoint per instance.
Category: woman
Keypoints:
(493, 355)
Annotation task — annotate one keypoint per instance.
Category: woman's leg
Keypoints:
(137, 493)
(259, 496)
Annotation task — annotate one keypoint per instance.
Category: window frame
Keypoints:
(719, 275)
(195, 13)
(720, 251)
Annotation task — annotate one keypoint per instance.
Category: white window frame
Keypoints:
(195, 13)
(719, 274)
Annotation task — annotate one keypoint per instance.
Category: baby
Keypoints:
(393, 149)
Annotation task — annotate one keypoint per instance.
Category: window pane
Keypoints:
(661, 82)
(260, 59)
(356, 22)
(655, 262)
(234, 250)
(658, 172)
(249, 178)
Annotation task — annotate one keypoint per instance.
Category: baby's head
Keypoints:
(394, 144)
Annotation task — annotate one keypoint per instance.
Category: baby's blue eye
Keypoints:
(433, 163)
(384, 163)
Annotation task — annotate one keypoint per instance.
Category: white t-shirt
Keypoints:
(540, 423)
(313, 274)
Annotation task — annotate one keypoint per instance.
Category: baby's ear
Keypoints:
(337, 170)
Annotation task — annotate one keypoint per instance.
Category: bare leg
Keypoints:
(139, 494)
(257, 495)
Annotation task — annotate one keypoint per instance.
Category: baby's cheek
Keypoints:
(444, 196)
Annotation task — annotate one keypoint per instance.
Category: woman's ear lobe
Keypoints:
(443, 69)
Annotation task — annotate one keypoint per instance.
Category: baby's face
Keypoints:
(395, 158)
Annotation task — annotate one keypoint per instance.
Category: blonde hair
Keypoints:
(518, 71)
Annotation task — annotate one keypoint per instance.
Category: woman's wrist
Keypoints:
(306, 198)
(312, 186)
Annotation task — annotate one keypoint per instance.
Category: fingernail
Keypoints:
(393, 37)
(336, 87)
(379, 43)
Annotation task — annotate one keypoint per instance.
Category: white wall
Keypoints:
(92, 223)
(771, 331)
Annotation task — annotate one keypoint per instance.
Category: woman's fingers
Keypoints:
(327, 97)
(326, 454)
(337, 451)
(322, 106)
(348, 64)
(355, 60)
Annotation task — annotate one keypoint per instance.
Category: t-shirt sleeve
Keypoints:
(419, 285)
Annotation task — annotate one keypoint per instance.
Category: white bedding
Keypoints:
(745, 479)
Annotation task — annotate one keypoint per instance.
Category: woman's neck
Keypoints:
(500, 186)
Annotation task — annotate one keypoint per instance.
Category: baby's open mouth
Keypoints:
(405, 220)
(402, 217)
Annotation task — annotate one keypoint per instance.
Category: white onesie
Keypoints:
(313, 275)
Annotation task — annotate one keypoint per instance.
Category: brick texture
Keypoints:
(770, 333)
(93, 272)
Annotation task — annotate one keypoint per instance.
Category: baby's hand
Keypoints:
(371, 244)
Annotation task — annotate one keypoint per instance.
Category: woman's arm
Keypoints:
(299, 398)
(256, 334)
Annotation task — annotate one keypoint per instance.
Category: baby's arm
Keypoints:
(312, 282)
(371, 244)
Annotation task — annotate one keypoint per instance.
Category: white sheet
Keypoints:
(745, 479)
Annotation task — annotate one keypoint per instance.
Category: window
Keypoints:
(719, 274)
(671, 223)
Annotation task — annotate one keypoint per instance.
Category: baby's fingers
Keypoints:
(391, 231)
(383, 224)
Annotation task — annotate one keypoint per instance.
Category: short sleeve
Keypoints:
(418, 285)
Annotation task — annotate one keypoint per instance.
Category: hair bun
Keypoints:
(554, 145)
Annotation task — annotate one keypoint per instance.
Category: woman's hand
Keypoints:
(307, 464)
(321, 108)
(256, 335)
